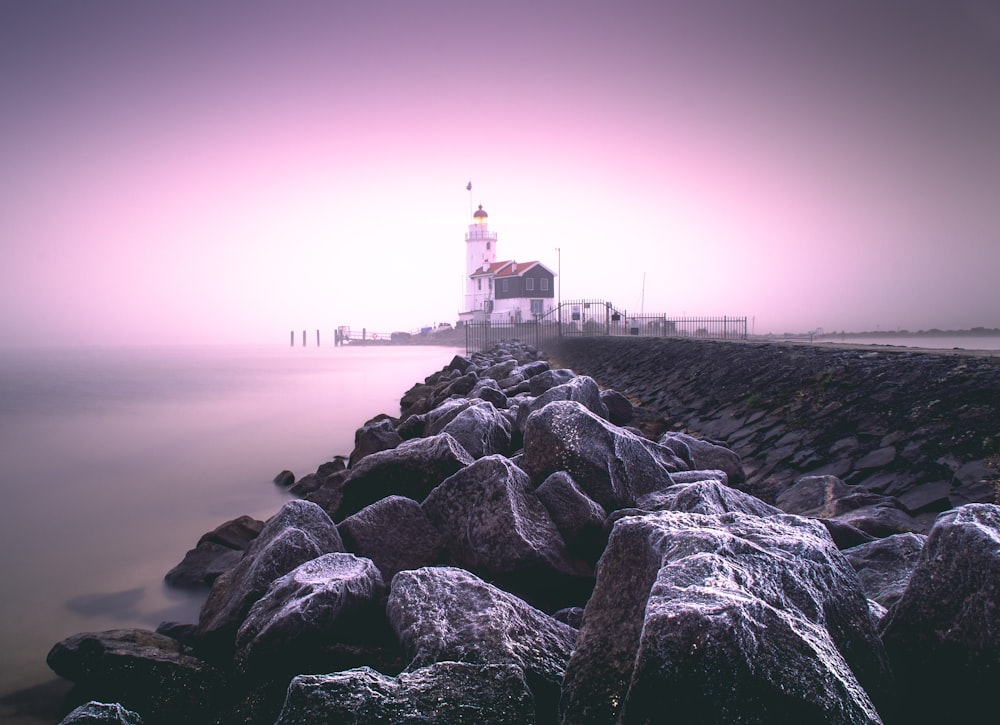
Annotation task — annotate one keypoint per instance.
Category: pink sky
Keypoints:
(229, 171)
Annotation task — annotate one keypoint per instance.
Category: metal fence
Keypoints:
(599, 318)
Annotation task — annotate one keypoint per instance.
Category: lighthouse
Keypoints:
(480, 255)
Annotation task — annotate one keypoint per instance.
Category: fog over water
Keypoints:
(115, 462)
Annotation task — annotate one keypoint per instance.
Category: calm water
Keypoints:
(114, 462)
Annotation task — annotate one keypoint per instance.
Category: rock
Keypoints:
(885, 565)
(480, 429)
(284, 479)
(444, 693)
(493, 524)
(708, 455)
(374, 436)
(101, 713)
(549, 379)
(699, 475)
(579, 389)
(489, 391)
(573, 616)
(579, 519)
(943, 634)
(412, 469)
(393, 532)
(877, 458)
(705, 497)
(143, 671)
(932, 496)
(500, 371)
(728, 618)
(202, 565)
(884, 518)
(813, 496)
(620, 409)
(446, 614)
(613, 466)
(844, 535)
(335, 598)
(300, 531)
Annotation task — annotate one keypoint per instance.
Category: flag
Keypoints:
(468, 187)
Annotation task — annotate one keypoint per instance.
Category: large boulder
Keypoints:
(493, 524)
(480, 429)
(376, 435)
(708, 455)
(581, 389)
(725, 618)
(300, 531)
(101, 713)
(216, 552)
(393, 532)
(705, 497)
(814, 496)
(297, 625)
(411, 469)
(549, 379)
(943, 634)
(612, 465)
(885, 565)
(578, 517)
(143, 671)
(443, 693)
(445, 613)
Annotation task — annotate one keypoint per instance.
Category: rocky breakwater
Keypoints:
(520, 546)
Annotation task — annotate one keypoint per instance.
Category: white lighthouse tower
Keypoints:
(480, 255)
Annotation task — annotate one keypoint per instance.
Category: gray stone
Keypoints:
(813, 496)
(620, 409)
(578, 517)
(943, 634)
(300, 531)
(549, 379)
(412, 469)
(393, 532)
(611, 465)
(444, 693)
(101, 713)
(877, 458)
(374, 436)
(730, 618)
(446, 614)
(885, 565)
(708, 455)
(480, 429)
(322, 602)
(705, 497)
(493, 524)
(141, 670)
(581, 389)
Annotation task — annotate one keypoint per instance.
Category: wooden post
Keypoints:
(317, 338)
(292, 338)
(303, 338)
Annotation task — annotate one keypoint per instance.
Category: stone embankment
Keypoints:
(522, 546)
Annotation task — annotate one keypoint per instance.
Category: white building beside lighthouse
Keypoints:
(504, 291)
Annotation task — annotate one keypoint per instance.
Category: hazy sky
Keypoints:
(193, 171)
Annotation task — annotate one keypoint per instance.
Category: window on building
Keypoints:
(543, 284)
(487, 246)
(506, 286)
(479, 284)
(490, 282)
(536, 307)
(529, 284)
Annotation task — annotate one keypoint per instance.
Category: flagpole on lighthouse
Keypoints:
(468, 187)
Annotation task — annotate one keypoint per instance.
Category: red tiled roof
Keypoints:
(506, 269)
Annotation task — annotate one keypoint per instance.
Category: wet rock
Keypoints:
(489, 391)
(217, 552)
(443, 693)
(412, 469)
(579, 519)
(620, 408)
(298, 623)
(143, 671)
(550, 379)
(611, 465)
(705, 497)
(374, 436)
(101, 713)
(493, 524)
(445, 614)
(480, 429)
(681, 599)
(393, 532)
(885, 565)
(708, 455)
(943, 634)
(300, 531)
(579, 389)
(284, 479)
